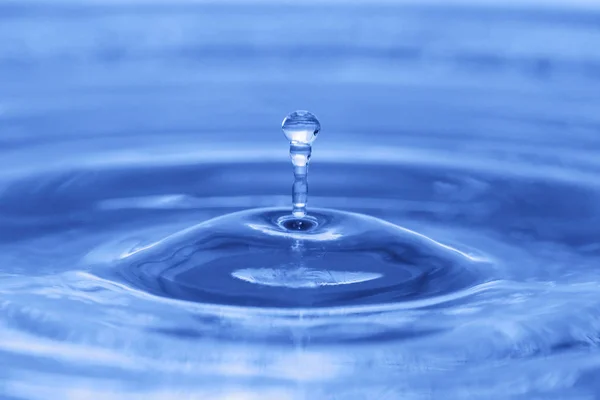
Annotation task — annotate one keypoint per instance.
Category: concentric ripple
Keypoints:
(474, 127)
(251, 258)
(343, 297)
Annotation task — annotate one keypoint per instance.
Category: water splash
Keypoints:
(269, 258)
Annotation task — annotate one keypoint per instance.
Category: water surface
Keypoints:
(475, 129)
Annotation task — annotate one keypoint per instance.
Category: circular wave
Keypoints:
(250, 259)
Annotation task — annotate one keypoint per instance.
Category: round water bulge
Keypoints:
(301, 127)
(254, 258)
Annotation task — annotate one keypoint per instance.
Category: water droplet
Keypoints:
(301, 127)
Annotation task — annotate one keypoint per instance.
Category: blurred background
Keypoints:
(124, 76)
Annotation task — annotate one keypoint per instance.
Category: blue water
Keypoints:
(143, 175)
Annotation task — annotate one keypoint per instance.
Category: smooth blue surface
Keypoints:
(474, 130)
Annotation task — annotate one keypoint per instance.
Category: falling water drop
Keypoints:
(301, 129)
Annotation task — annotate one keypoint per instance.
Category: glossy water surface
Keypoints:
(143, 178)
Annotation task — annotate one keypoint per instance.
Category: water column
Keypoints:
(301, 129)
